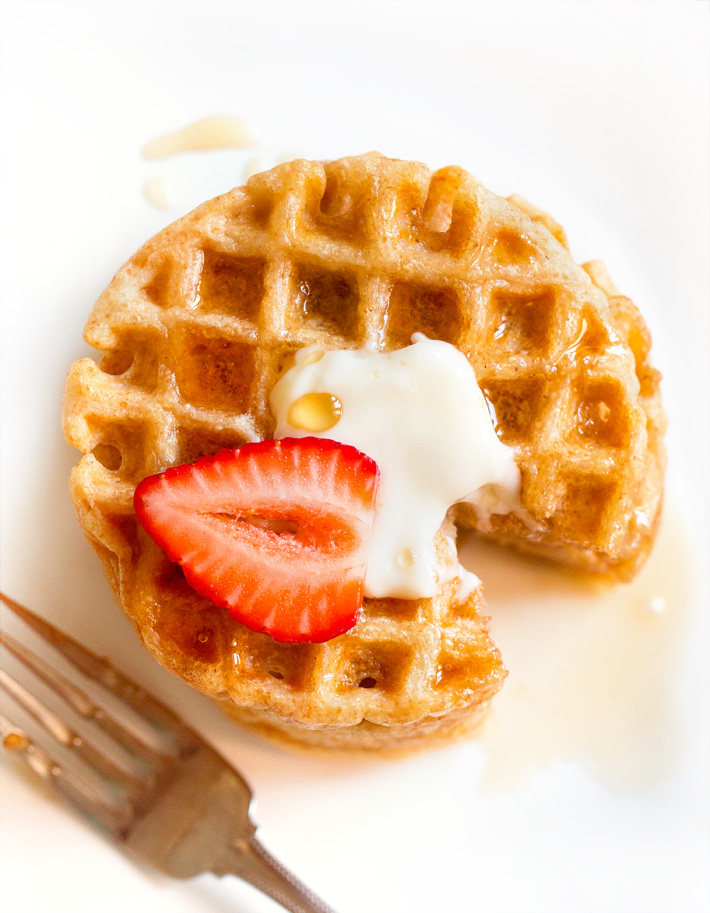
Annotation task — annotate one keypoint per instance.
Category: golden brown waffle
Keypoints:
(195, 329)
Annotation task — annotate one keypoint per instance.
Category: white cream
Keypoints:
(419, 413)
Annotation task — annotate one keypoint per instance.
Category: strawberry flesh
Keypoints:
(276, 532)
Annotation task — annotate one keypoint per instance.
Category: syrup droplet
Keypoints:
(15, 741)
(315, 412)
(157, 194)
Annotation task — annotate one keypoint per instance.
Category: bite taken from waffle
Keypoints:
(205, 327)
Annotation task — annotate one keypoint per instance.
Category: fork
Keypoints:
(180, 807)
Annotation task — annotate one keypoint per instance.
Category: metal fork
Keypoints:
(181, 807)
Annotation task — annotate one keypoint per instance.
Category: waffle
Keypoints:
(194, 331)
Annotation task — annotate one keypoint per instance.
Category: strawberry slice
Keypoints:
(276, 532)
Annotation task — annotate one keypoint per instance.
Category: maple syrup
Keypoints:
(315, 412)
(157, 194)
(16, 741)
(218, 132)
(592, 666)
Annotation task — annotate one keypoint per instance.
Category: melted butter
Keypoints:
(593, 668)
(315, 412)
(418, 412)
(219, 132)
(157, 194)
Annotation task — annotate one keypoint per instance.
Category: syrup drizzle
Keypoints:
(221, 131)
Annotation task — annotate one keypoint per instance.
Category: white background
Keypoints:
(598, 112)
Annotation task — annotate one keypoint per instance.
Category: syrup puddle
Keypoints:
(593, 669)
(221, 131)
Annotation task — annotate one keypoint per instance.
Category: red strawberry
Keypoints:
(276, 532)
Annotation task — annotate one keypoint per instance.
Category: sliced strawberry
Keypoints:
(276, 532)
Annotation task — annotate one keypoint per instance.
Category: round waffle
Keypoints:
(194, 331)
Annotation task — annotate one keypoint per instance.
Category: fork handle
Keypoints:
(247, 859)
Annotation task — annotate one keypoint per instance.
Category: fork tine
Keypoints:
(80, 702)
(77, 790)
(101, 670)
(179, 819)
(64, 734)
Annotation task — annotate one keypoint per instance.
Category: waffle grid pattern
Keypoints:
(196, 328)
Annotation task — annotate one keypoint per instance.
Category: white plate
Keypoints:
(587, 791)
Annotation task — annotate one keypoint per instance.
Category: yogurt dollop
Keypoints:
(419, 413)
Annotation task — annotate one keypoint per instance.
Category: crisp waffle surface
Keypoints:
(194, 331)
